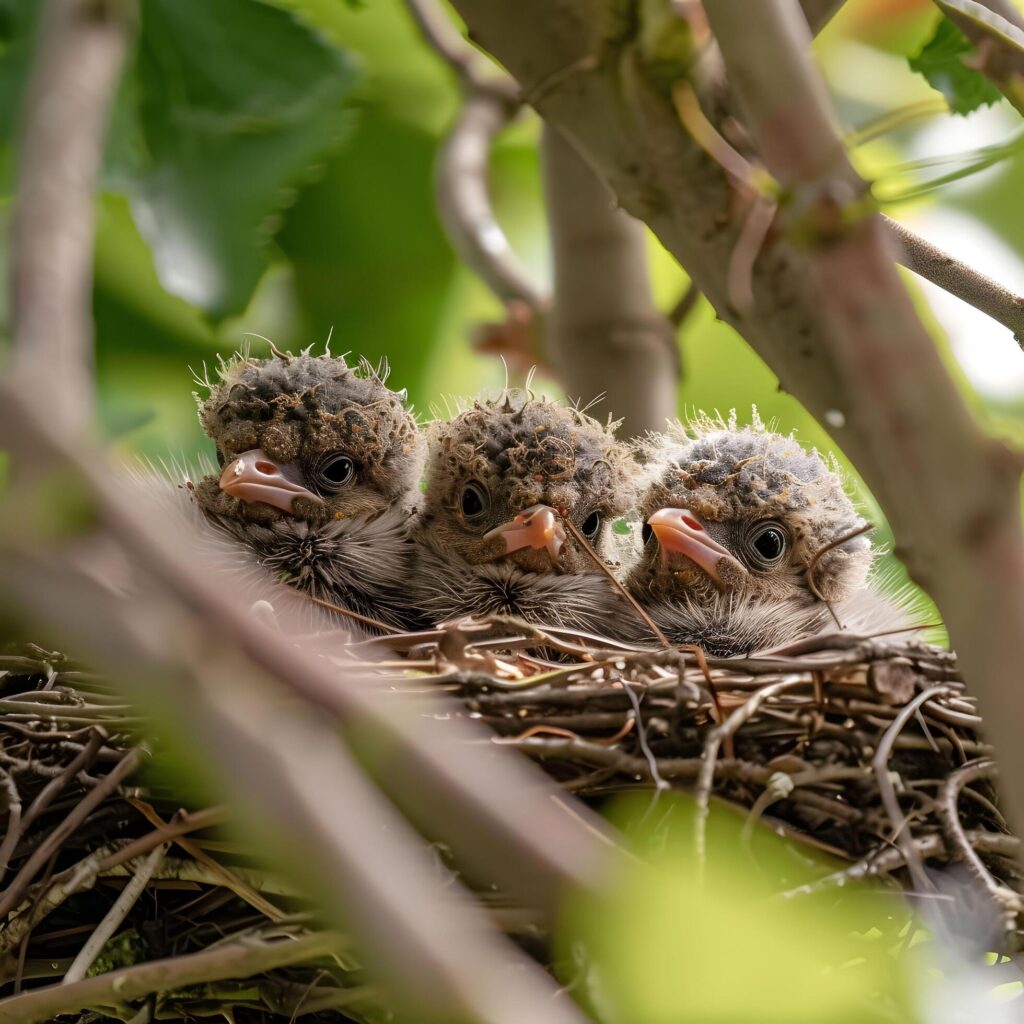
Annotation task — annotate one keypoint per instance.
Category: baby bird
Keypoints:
(491, 538)
(319, 466)
(749, 540)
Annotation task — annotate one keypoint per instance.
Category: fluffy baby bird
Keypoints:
(491, 538)
(744, 545)
(319, 463)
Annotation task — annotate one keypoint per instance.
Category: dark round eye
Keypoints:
(768, 544)
(647, 533)
(591, 525)
(333, 472)
(474, 501)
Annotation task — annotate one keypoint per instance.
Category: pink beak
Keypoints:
(536, 527)
(679, 531)
(253, 477)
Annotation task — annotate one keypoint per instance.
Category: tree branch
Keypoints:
(491, 102)
(464, 201)
(121, 988)
(950, 492)
(935, 265)
(82, 46)
(605, 334)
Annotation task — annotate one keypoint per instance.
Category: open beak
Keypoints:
(536, 527)
(254, 477)
(680, 532)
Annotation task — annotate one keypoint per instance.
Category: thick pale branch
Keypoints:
(605, 334)
(942, 269)
(951, 494)
(74, 78)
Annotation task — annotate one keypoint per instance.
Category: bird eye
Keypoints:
(474, 501)
(647, 534)
(591, 525)
(768, 544)
(333, 472)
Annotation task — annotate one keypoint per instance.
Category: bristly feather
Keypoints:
(449, 589)
(729, 626)
(357, 563)
(165, 493)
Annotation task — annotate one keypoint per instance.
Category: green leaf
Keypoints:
(942, 65)
(238, 102)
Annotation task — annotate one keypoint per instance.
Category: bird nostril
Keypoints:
(692, 523)
(266, 468)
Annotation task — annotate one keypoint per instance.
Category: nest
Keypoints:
(868, 749)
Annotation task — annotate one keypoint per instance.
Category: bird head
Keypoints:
(306, 438)
(503, 476)
(743, 512)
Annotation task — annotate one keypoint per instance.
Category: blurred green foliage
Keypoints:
(675, 942)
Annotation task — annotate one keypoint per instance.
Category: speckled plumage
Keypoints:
(521, 452)
(738, 480)
(351, 547)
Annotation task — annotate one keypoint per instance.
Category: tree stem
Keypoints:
(82, 47)
(606, 335)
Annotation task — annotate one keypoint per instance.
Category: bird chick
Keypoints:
(319, 463)
(502, 479)
(744, 545)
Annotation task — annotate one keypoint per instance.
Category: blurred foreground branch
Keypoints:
(240, 692)
(82, 46)
(832, 321)
(222, 687)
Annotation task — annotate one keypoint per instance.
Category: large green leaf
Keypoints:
(239, 102)
(941, 63)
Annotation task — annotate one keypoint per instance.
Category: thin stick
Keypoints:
(242, 959)
(947, 805)
(887, 791)
(82, 45)
(12, 894)
(228, 877)
(950, 274)
(684, 306)
(599, 562)
(706, 778)
(366, 620)
(812, 565)
(14, 829)
(82, 762)
(126, 899)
